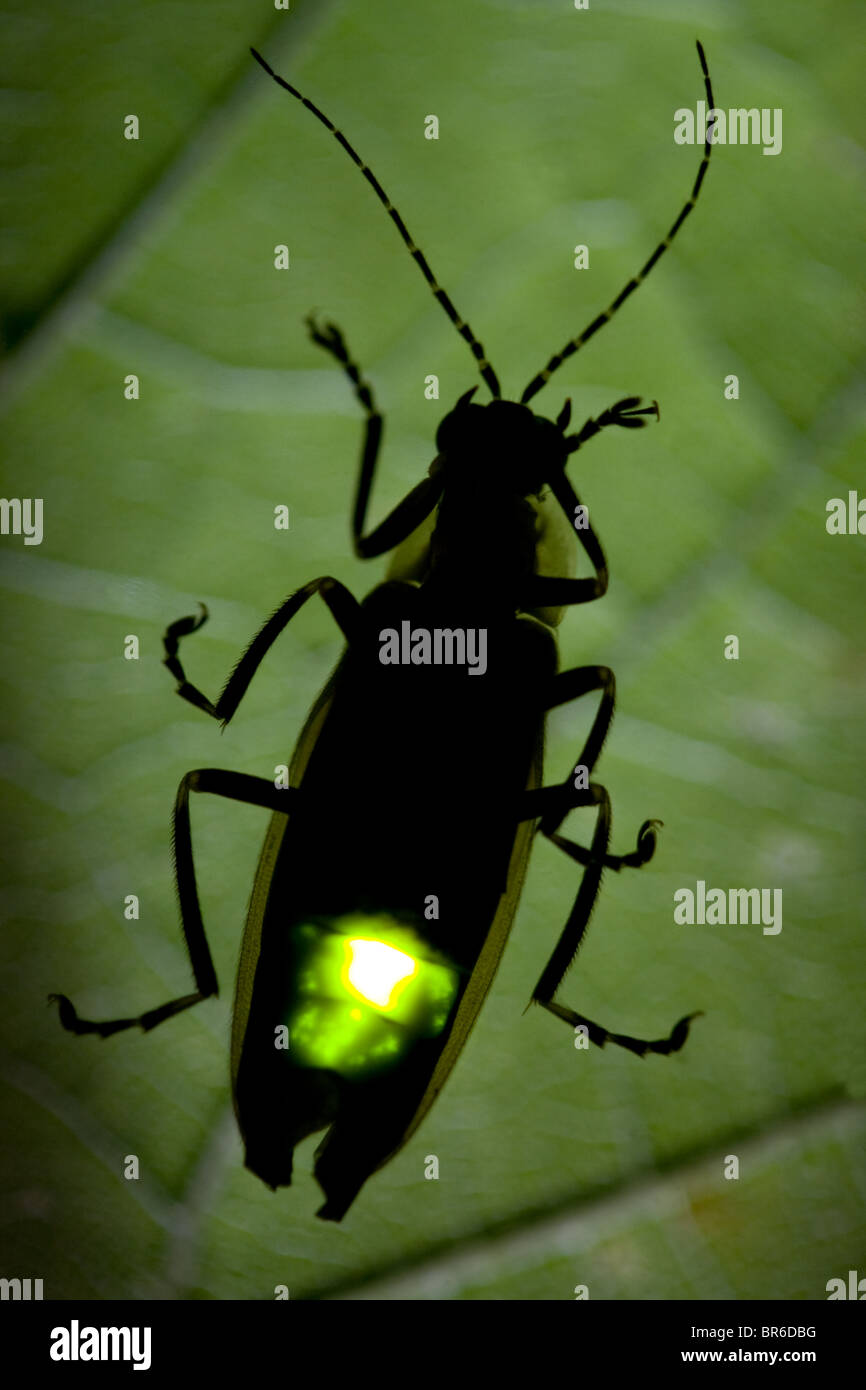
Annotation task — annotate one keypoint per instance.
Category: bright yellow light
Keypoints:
(368, 987)
(376, 970)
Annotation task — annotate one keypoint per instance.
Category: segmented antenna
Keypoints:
(484, 367)
(571, 347)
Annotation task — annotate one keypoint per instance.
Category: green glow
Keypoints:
(376, 971)
(365, 988)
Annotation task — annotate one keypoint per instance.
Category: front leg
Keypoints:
(344, 608)
(547, 591)
(626, 413)
(418, 504)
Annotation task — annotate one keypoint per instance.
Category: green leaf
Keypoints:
(558, 1167)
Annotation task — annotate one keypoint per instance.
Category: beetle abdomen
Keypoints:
(401, 842)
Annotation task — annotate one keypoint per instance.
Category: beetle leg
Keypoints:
(571, 685)
(73, 1024)
(553, 803)
(569, 942)
(238, 786)
(419, 503)
(544, 801)
(672, 1043)
(555, 592)
(406, 517)
(646, 848)
(572, 934)
(548, 591)
(331, 339)
(343, 605)
(171, 641)
(545, 591)
(628, 413)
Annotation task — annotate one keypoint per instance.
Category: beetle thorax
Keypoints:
(483, 547)
(494, 458)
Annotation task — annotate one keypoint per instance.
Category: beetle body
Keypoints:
(409, 778)
(394, 859)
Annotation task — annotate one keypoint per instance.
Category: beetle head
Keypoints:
(502, 445)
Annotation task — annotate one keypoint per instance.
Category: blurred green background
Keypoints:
(155, 257)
